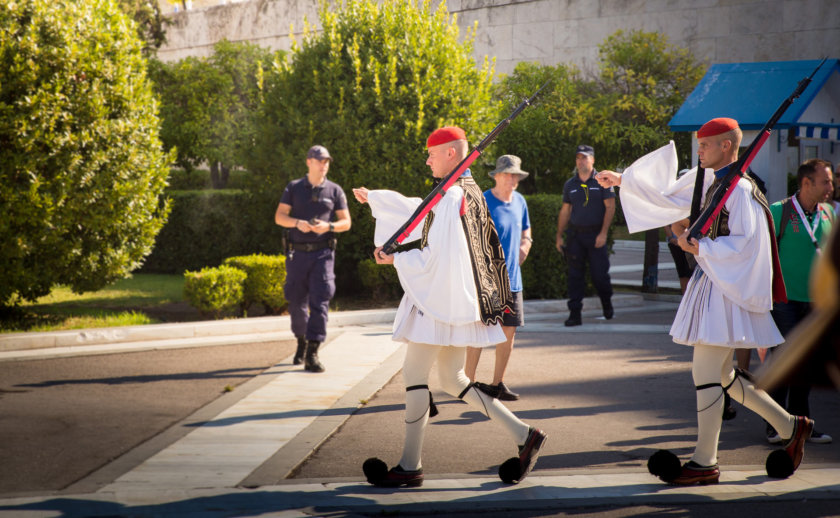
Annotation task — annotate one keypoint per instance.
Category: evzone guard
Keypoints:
(727, 300)
(456, 290)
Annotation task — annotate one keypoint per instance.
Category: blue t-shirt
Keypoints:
(313, 202)
(587, 200)
(510, 220)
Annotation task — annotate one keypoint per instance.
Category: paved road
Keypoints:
(289, 443)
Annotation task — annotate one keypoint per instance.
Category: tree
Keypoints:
(643, 81)
(151, 23)
(623, 111)
(81, 165)
(207, 105)
(370, 86)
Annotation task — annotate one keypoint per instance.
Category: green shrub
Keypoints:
(544, 272)
(215, 292)
(379, 281)
(81, 167)
(264, 284)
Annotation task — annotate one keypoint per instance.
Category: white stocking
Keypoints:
(744, 392)
(454, 381)
(418, 362)
(705, 369)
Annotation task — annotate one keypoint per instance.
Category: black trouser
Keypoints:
(580, 249)
(787, 315)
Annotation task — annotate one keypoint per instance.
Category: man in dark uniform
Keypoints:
(586, 215)
(314, 209)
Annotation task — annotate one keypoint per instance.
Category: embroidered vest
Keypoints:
(720, 227)
(492, 283)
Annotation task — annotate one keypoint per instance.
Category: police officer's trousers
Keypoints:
(580, 249)
(310, 285)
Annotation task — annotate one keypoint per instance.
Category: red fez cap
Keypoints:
(716, 127)
(444, 135)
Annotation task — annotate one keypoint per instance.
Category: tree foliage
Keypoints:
(207, 105)
(81, 165)
(623, 111)
(370, 86)
(151, 23)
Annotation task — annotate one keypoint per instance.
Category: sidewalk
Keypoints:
(234, 459)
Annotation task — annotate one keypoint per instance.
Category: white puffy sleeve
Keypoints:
(392, 209)
(652, 196)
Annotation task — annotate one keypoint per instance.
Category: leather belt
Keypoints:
(310, 247)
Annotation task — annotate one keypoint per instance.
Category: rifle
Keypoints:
(449, 180)
(706, 218)
(697, 194)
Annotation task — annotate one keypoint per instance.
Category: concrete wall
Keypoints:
(555, 31)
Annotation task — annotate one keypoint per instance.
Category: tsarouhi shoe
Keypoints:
(693, 473)
(529, 451)
(398, 477)
(795, 446)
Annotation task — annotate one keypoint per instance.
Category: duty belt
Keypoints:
(312, 247)
(585, 228)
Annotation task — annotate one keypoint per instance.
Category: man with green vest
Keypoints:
(802, 223)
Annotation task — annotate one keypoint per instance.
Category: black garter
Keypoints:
(739, 373)
(433, 411)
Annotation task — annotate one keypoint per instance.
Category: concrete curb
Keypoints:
(54, 344)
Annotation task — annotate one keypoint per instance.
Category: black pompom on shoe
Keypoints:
(375, 470)
(509, 471)
(665, 465)
(779, 464)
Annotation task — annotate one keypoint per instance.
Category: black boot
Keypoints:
(606, 305)
(312, 363)
(301, 351)
(574, 319)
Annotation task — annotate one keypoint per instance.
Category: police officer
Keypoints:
(585, 216)
(314, 209)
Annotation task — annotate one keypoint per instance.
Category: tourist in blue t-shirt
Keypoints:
(510, 215)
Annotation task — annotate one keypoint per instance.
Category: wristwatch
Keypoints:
(332, 226)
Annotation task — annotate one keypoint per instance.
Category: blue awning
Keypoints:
(818, 131)
(751, 92)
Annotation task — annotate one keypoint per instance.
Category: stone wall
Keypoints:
(555, 31)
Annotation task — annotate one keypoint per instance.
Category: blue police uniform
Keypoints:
(587, 218)
(310, 276)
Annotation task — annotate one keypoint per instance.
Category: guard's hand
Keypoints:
(303, 226)
(601, 240)
(560, 245)
(319, 226)
(692, 246)
(361, 194)
(608, 178)
(678, 227)
(381, 257)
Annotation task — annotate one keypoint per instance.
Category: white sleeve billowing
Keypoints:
(439, 278)
(392, 209)
(740, 264)
(652, 196)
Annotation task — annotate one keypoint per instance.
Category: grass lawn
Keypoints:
(137, 300)
(141, 299)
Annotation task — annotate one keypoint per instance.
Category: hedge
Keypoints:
(264, 284)
(205, 227)
(215, 292)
